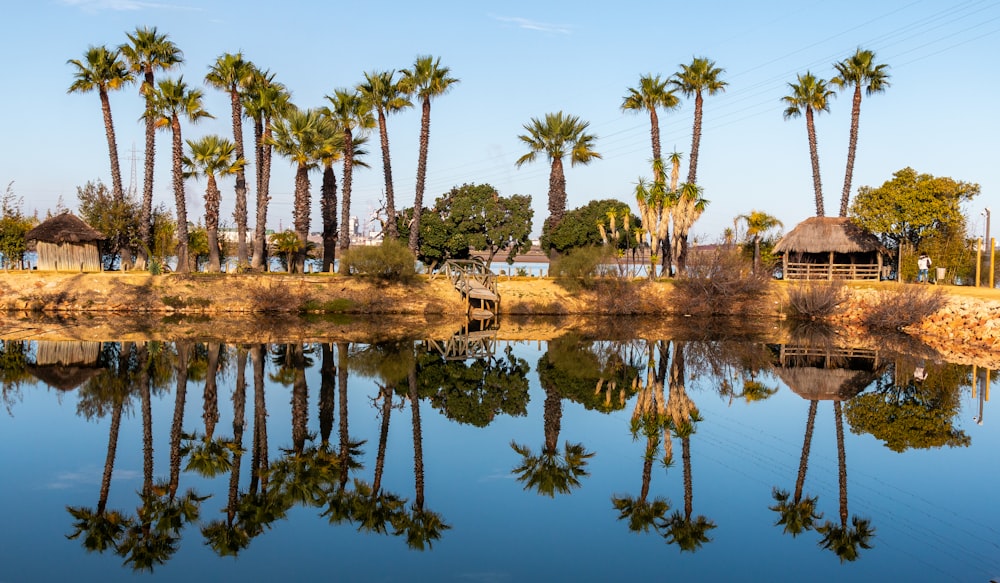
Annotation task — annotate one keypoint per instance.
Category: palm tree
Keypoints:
(427, 80)
(855, 71)
(655, 204)
(798, 514)
(695, 80)
(845, 541)
(175, 99)
(232, 74)
(652, 94)
(353, 115)
(103, 70)
(301, 136)
(758, 223)
(331, 150)
(147, 52)
(810, 95)
(210, 156)
(385, 96)
(557, 136)
(689, 206)
(263, 100)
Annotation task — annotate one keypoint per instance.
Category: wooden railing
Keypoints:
(819, 271)
(475, 281)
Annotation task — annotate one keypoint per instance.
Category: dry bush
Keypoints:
(274, 295)
(814, 300)
(901, 306)
(618, 296)
(578, 268)
(721, 281)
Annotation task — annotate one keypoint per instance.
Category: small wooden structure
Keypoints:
(66, 243)
(477, 339)
(66, 365)
(826, 373)
(477, 284)
(826, 248)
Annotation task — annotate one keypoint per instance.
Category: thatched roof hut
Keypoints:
(65, 242)
(830, 248)
(66, 365)
(826, 373)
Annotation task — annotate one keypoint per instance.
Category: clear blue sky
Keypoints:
(518, 60)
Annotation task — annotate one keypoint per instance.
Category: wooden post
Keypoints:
(979, 259)
(993, 246)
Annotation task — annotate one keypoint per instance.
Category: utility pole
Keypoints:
(989, 241)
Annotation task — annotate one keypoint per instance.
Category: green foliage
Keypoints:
(579, 267)
(912, 207)
(390, 261)
(475, 391)
(596, 375)
(471, 216)
(286, 244)
(117, 219)
(198, 246)
(579, 227)
(13, 227)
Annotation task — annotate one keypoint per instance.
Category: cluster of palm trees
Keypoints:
(811, 95)
(308, 138)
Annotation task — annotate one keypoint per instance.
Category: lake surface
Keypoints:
(573, 458)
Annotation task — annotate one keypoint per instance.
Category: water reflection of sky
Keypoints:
(932, 509)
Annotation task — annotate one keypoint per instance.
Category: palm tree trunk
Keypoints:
(841, 463)
(240, 206)
(390, 199)
(343, 429)
(552, 419)
(383, 438)
(109, 130)
(260, 462)
(418, 198)
(327, 398)
(647, 467)
(804, 458)
(688, 489)
(147, 421)
(814, 158)
(210, 413)
(557, 193)
(177, 427)
(328, 209)
(301, 218)
(212, 196)
(179, 200)
(418, 447)
(260, 224)
(654, 137)
(149, 161)
(300, 399)
(239, 424)
(345, 199)
(852, 148)
(695, 140)
(109, 461)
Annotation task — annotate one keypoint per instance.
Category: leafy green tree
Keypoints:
(147, 52)
(13, 227)
(912, 207)
(287, 245)
(556, 136)
(384, 94)
(579, 227)
(212, 156)
(116, 218)
(103, 70)
(476, 391)
(427, 80)
(859, 70)
(174, 99)
(810, 95)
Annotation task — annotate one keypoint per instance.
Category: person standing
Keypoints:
(923, 267)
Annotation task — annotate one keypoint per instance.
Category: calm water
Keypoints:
(544, 461)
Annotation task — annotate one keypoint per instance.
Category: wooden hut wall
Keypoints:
(68, 256)
(74, 352)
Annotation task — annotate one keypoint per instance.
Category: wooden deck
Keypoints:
(478, 286)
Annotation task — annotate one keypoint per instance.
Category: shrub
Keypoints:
(579, 267)
(274, 296)
(390, 261)
(894, 309)
(814, 300)
(720, 281)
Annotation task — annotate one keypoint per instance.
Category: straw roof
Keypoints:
(63, 378)
(825, 384)
(64, 228)
(825, 234)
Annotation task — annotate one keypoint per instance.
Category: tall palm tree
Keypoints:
(147, 52)
(331, 150)
(810, 95)
(651, 95)
(300, 136)
(695, 80)
(427, 80)
(354, 117)
(558, 135)
(383, 94)
(232, 74)
(212, 156)
(103, 70)
(860, 69)
(797, 514)
(845, 540)
(175, 99)
(263, 100)
(758, 223)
